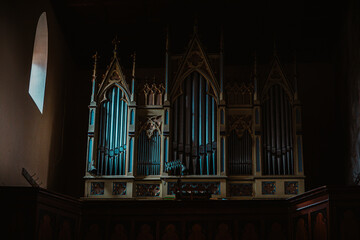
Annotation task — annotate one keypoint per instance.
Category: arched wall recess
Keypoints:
(39, 63)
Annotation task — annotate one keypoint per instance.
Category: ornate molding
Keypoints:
(195, 59)
(277, 76)
(240, 124)
(150, 125)
(236, 88)
(154, 88)
(113, 76)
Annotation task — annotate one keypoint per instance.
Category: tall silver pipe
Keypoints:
(268, 134)
(277, 125)
(287, 133)
(283, 131)
(291, 141)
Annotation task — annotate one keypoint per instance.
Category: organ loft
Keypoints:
(205, 130)
(195, 136)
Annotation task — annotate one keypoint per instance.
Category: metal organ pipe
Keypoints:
(268, 131)
(175, 147)
(188, 121)
(240, 154)
(112, 131)
(112, 140)
(125, 136)
(207, 133)
(181, 129)
(100, 150)
(213, 120)
(291, 139)
(116, 148)
(108, 115)
(283, 156)
(199, 126)
(278, 133)
(277, 120)
(149, 154)
(121, 106)
(194, 126)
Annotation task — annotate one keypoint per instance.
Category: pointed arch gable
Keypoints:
(195, 59)
(277, 76)
(113, 77)
(180, 91)
(108, 87)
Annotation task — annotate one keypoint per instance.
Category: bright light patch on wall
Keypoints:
(39, 63)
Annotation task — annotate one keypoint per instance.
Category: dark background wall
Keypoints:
(29, 139)
(351, 74)
(325, 36)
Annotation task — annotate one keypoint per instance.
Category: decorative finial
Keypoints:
(167, 38)
(295, 77)
(196, 26)
(295, 63)
(134, 60)
(255, 77)
(115, 42)
(222, 39)
(255, 64)
(274, 47)
(95, 57)
(221, 64)
(133, 77)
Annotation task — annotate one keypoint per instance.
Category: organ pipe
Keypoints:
(194, 126)
(112, 139)
(278, 133)
(240, 154)
(148, 161)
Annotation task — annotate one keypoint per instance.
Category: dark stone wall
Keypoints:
(351, 73)
(29, 139)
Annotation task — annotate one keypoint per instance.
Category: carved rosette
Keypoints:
(195, 60)
(242, 88)
(240, 124)
(195, 187)
(115, 78)
(150, 125)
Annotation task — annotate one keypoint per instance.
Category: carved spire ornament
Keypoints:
(95, 57)
(222, 64)
(255, 78)
(166, 64)
(115, 42)
(295, 78)
(133, 77)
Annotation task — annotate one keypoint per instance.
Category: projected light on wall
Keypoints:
(39, 63)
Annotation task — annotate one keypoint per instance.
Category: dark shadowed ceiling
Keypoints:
(310, 27)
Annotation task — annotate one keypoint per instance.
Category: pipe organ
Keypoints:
(278, 133)
(229, 137)
(112, 134)
(194, 126)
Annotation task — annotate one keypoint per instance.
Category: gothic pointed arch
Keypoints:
(113, 98)
(277, 122)
(276, 75)
(195, 60)
(114, 77)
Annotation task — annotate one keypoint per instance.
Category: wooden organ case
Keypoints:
(197, 132)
